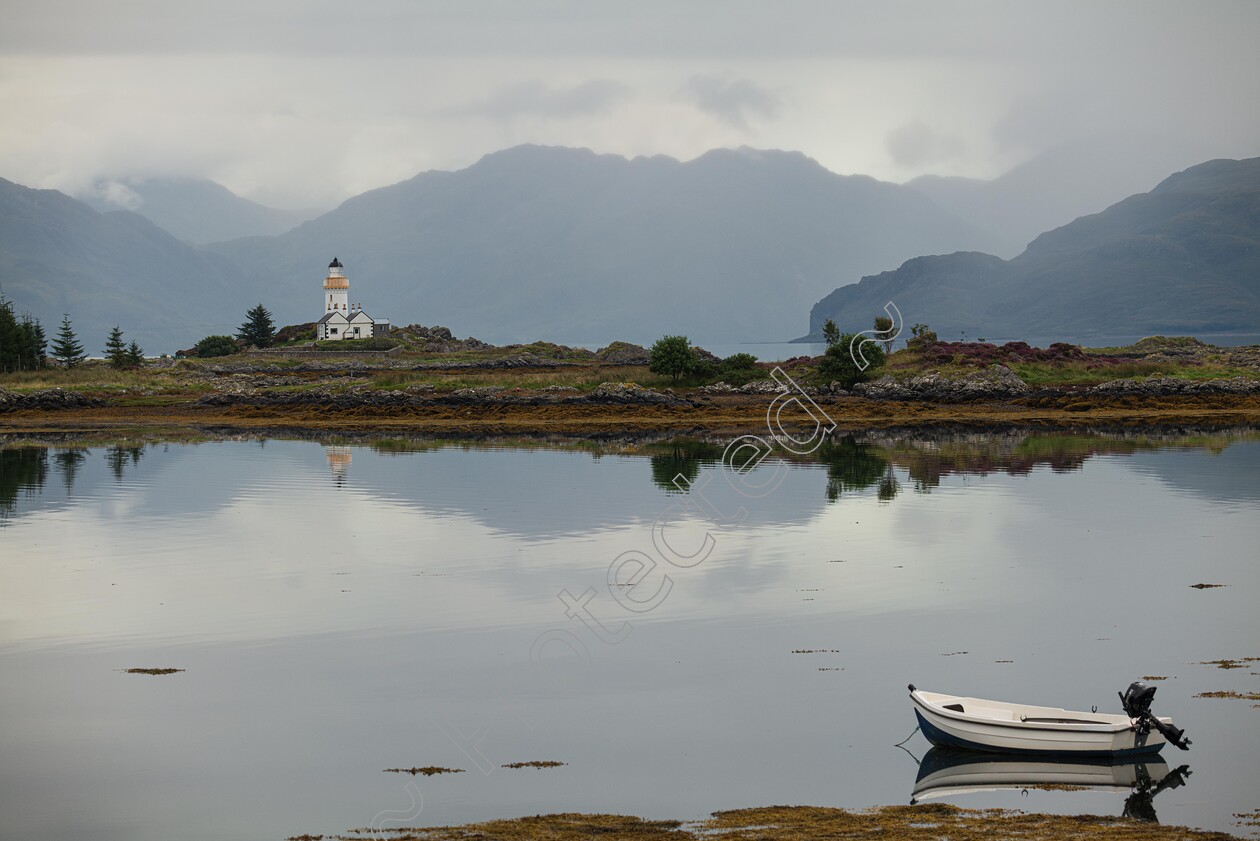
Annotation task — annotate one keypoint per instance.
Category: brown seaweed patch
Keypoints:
(1229, 664)
(558, 827)
(428, 770)
(163, 671)
(1229, 693)
(815, 651)
(811, 823)
(1154, 677)
(955, 653)
(1058, 787)
(1206, 586)
(535, 763)
(1251, 818)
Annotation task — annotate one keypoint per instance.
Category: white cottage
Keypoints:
(343, 320)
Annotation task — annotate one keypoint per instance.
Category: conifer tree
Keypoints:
(66, 347)
(115, 349)
(135, 355)
(258, 329)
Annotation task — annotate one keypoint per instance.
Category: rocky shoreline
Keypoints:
(233, 388)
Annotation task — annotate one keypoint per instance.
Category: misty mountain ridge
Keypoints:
(530, 242)
(1051, 189)
(580, 247)
(61, 256)
(1182, 258)
(195, 210)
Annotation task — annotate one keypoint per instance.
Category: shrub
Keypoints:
(212, 346)
(673, 356)
(838, 365)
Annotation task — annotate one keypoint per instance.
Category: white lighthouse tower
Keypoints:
(342, 320)
(336, 289)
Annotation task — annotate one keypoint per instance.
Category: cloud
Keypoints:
(732, 100)
(537, 99)
(916, 144)
(117, 194)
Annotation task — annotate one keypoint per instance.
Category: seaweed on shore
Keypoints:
(535, 763)
(162, 671)
(810, 823)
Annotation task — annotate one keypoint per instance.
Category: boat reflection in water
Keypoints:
(945, 771)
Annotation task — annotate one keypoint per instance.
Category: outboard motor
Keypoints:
(1136, 701)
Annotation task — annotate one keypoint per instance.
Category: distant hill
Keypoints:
(193, 209)
(58, 255)
(1049, 190)
(565, 244)
(1183, 258)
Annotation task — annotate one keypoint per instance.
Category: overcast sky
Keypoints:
(298, 103)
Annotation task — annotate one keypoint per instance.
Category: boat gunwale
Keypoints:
(1079, 727)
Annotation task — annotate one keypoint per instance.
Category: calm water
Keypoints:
(341, 610)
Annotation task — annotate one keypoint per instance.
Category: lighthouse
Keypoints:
(343, 320)
(336, 288)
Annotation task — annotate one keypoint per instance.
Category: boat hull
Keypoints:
(994, 727)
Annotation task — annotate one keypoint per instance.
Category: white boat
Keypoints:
(1003, 727)
(945, 772)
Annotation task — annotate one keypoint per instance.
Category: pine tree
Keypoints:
(258, 329)
(135, 355)
(36, 342)
(115, 349)
(10, 351)
(66, 347)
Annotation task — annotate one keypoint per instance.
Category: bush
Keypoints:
(739, 368)
(212, 346)
(838, 365)
(672, 355)
(921, 336)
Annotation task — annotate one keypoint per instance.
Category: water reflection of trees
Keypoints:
(854, 466)
(25, 470)
(682, 457)
(67, 463)
(119, 458)
(883, 462)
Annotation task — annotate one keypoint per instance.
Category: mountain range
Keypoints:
(573, 246)
(195, 210)
(1182, 258)
(578, 247)
(105, 269)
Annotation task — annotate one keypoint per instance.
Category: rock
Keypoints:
(48, 399)
(996, 382)
(1162, 386)
(623, 353)
(761, 387)
(718, 388)
(478, 393)
(629, 393)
